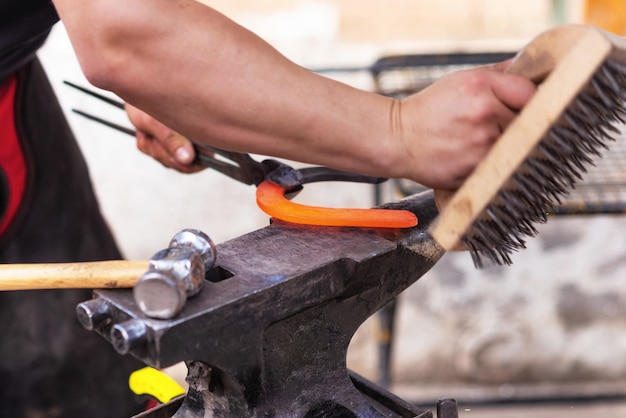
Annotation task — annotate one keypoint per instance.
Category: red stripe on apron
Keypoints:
(11, 156)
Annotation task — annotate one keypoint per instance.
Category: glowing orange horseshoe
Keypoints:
(271, 199)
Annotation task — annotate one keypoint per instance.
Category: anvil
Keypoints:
(268, 334)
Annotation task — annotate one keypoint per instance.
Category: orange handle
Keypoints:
(271, 199)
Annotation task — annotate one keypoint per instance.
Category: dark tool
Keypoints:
(268, 333)
(175, 274)
(274, 180)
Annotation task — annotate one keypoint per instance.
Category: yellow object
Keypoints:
(150, 381)
(609, 15)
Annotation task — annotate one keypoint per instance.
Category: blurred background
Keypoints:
(549, 328)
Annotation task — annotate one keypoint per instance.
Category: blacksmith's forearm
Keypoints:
(215, 82)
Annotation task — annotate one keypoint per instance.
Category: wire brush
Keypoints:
(580, 72)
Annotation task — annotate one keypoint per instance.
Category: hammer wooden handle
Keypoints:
(86, 275)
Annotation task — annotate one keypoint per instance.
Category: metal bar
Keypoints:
(116, 103)
(110, 124)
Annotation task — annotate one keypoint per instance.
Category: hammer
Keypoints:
(172, 274)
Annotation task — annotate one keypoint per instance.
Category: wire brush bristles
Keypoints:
(581, 77)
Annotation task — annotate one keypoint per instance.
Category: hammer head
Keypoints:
(174, 274)
(199, 242)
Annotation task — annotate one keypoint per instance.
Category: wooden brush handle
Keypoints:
(87, 275)
(537, 60)
(442, 198)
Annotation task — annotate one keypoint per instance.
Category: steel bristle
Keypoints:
(560, 159)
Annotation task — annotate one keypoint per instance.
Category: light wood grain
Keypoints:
(89, 275)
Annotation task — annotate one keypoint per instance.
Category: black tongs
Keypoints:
(275, 180)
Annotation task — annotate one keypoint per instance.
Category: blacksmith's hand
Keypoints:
(162, 143)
